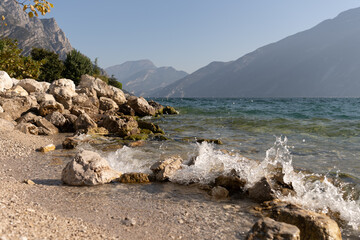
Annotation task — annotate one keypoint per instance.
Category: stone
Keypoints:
(150, 126)
(107, 104)
(119, 96)
(231, 182)
(43, 97)
(134, 178)
(126, 110)
(31, 85)
(122, 126)
(169, 110)
(164, 169)
(63, 90)
(141, 106)
(28, 118)
(69, 123)
(215, 141)
(262, 191)
(84, 122)
(157, 106)
(48, 107)
(98, 131)
(47, 128)
(269, 229)
(129, 222)
(5, 81)
(7, 125)
(16, 91)
(219, 192)
(88, 168)
(45, 86)
(1, 109)
(102, 88)
(56, 118)
(82, 103)
(47, 148)
(27, 128)
(139, 143)
(29, 182)
(70, 143)
(68, 83)
(16, 106)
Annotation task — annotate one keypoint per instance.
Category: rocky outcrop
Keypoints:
(88, 168)
(163, 170)
(141, 106)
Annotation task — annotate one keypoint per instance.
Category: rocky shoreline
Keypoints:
(147, 210)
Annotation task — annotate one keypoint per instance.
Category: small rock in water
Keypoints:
(70, 143)
(165, 169)
(261, 191)
(134, 178)
(29, 181)
(215, 141)
(47, 148)
(219, 192)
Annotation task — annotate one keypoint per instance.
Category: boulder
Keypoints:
(102, 88)
(164, 169)
(6, 125)
(141, 106)
(82, 103)
(56, 118)
(169, 110)
(269, 229)
(231, 182)
(16, 91)
(45, 86)
(48, 107)
(18, 105)
(119, 96)
(5, 81)
(43, 97)
(107, 104)
(63, 90)
(122, 126)
(219, 192)
(126, 110)
(31, 85)
(15, 81)
(67, 83)
(157, 106)
(312, 225)
(150, 126)
(70, 143)
(69, 124)
(28, 118)
(84, 122)
(27, 128)
(46, 127)
(134, 178)
(88, 168)
(262, 191)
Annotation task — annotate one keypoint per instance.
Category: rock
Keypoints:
(29, 182)
(129, 222)
(70, 143)
(150, 126)
(69, 124)
(312, 225)
(5, 81)
(46, 127)
(15, 81)
(119, 96)
(6, 125)
(27, 128)
(166, 168)
(84, 122)
(31, 85)
(269, 229)
(157, 106)
(88, 168)
(28, 118)
(141, 106)
(63, 90)
(262, 191)
(137, 143)
(231, 182)
(215, 141)
(18, 105)
(107, 104)
(126, 110)
(43, 97)
(56, 118)
(82, 103)
(160, 137)
(169, 110)
(137, 137)
(16, 91)
(219, 192)
(102, 88)
(98, 131)
(47, 148)
(45, 86)
(48, 107)
(125, 126)
(134, 178)
(1, 109)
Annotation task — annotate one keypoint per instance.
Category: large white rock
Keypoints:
(102, 88)
(62, 83)
(5, 81)
(63, 90)
(88, 168)
(119, 96)
(31, 85)
(141, 106)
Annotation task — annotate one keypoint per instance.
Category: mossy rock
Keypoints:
(215, 141)
(146, 131)
(160, 137)
(134, 178)
(136, 137)
(169, 110)
(150, 126)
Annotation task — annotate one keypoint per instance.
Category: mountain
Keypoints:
(32, 32)
(320, 62)
(143, 77)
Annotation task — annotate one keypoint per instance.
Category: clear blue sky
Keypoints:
(185, 34)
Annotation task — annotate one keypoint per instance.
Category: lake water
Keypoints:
(316, 141)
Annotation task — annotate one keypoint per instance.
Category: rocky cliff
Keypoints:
(34, 32)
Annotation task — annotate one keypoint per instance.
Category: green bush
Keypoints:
(113, 82)
(14, 63)
(52, 67)
(76, 65)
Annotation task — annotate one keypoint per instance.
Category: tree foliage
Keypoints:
(114, 82)
(52, 66)
(14, 63)
(77, 64)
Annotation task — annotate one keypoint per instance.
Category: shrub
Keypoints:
(113, 81)
(52, 67)
(76, 65)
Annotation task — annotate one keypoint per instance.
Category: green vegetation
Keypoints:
(52, 67)
(77, 64)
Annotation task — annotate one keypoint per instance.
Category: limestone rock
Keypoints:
(5, 81)
(134, 178)
(107, 104)
(27, 128)
(63, 90)
(312, 225)
(166, 168)
(70, 143)
(231, 182)
(6, 125)
(150, 126)
(67, 83)
(18, 105)
(141, 106)
(69, 123)
(157, 106)
(43, 97)
(1, 109)
(48, 107)
(31, 85)
(47, 128)
(16, 91)
(45, 86)
(169, 110)
(28, 118)
(84, 122)
(219, 192)
(125, 126)
(126, 109)
(47, 148)
(119, 96)
(102, 88)
(88, 168)
(56, 118)
(262, 191)
(269, 229)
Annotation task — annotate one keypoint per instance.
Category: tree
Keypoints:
(52, 66)
(114, 82)
(77, 64)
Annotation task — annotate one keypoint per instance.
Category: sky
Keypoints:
(185, 34)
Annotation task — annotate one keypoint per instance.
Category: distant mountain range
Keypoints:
(32, 32)
(323, 61)
(142, 77)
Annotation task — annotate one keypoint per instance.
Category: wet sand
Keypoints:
(51, 210)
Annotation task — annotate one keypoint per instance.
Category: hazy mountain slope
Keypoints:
(123, 71)
(34, 32)
(322, 61)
